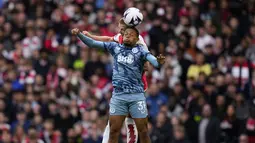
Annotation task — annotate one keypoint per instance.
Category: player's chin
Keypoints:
(126, 42)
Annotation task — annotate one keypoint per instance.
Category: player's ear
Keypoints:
(137, 37)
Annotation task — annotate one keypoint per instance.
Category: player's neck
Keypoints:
(129, 45)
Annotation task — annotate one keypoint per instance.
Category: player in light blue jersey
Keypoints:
(128, 94)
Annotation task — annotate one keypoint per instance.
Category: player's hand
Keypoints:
(85, 33)
(75, 31)
(161, 59)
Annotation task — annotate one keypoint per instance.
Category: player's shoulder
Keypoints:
(142, 42)
(115, 47)
(110, 45)
(139, 48)
(141, 37)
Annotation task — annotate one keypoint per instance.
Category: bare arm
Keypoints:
(98, 38)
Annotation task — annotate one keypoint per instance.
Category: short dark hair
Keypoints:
(137, 32)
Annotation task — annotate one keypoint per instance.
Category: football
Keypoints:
(133, 16)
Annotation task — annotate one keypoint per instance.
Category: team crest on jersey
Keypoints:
(129, 59)
(134, 50)
(112, 110)
(116, 49)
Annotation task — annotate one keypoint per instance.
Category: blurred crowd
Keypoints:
(55, 89)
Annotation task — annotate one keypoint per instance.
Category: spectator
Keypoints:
(64, 121)
(170, 78)
(209, 127)
(222, 65)
(179, 135)
(19, 134)
(163, 127)
(93, 66)
(191, 127)
(210, 57)
(200, 66)
(184, 26)
(94, 137)
(49, 134)
(242, 107)
(204, 39)
(192, 49)
(33, 137)
(6, 137)
(249, 125)
(176, 102)
(21, 122)
(229, 126)
(240, 70)
(42, 65)
(71, 136)
(243, 139)
(196, 102)
(220, 107)
(30, 43)
(249, 87)
(51, 42)
(155, 100)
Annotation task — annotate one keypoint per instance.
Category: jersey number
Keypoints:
(142, 106)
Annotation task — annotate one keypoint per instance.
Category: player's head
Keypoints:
(122, 26)
(131, 36)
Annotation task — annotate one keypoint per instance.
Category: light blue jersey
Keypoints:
(128, 64)
(128, 95)
(127, 67)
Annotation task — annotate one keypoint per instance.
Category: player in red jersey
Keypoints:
(132, 133)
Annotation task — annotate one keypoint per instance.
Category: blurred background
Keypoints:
(55, 89)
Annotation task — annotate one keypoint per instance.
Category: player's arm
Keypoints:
(156, 62)
(98, 38)
(86, 40)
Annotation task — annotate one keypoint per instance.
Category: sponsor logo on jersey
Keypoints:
(129, 59)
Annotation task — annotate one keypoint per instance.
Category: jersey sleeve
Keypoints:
(141, 42)
(152, 59)
(110, 46)
(90, 42)
(116, 38)
(149, 57)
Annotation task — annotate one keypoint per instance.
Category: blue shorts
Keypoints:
(133, 104)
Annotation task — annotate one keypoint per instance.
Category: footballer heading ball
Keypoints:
(133, 16)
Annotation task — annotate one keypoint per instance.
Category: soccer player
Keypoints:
(128, 95)
(119, 39)
(132, 134)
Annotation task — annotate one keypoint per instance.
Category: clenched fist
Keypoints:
(85, 33)
(75, 31)
(161, 59)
